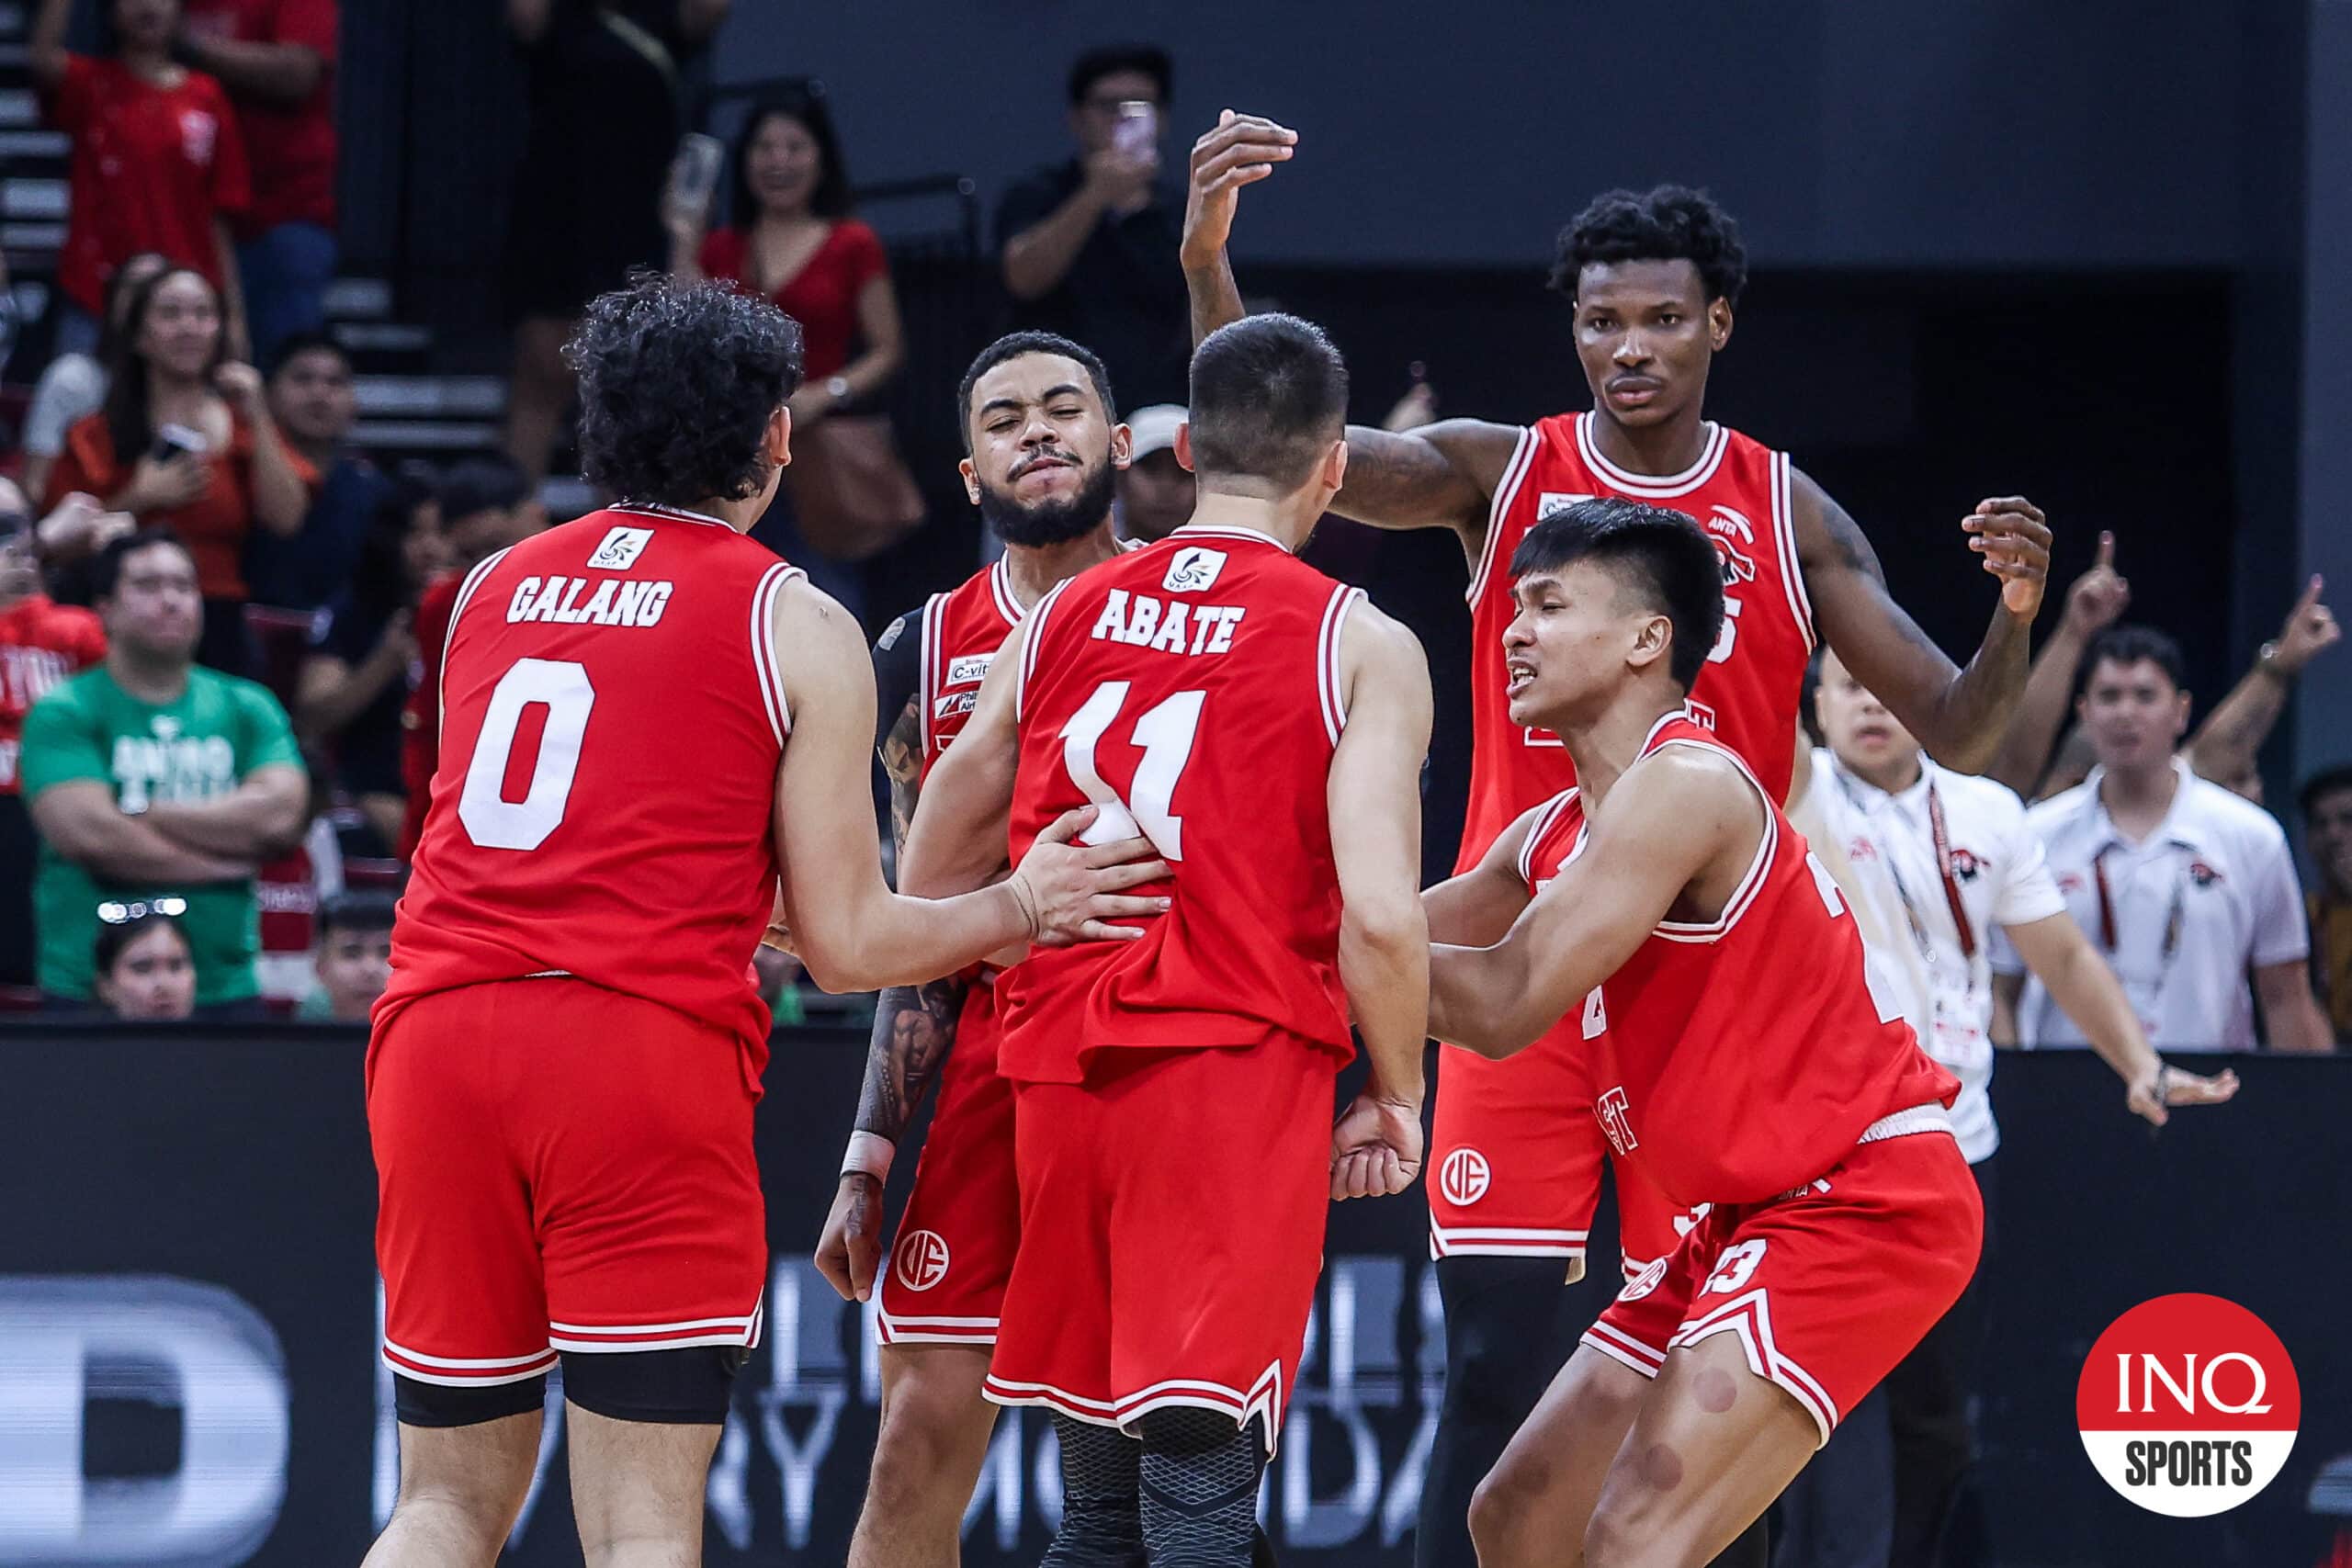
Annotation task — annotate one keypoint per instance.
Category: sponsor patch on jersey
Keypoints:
(620, 549)
(970, 670)
(1552, 502)
(953, 702)
(1724, 519)
(1194, 568)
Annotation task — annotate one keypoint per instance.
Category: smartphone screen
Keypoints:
(1137, 129)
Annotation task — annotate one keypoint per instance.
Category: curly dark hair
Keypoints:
(677, 384)
(1668, 223)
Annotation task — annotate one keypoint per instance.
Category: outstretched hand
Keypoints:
(1072, 891)
(2013, 537)
(1242, 149)
(2149, 1096)
(2098, 598)
(2311, 629)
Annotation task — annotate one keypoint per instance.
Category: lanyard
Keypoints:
(2172, 913)
(1960, 920)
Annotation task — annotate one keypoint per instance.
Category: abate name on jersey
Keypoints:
(614, 603)
(1141, 621)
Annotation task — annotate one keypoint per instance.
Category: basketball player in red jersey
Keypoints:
(1653, 280)
(653, 731)
(1657, 904)
(1264, 728)
(1045, 449)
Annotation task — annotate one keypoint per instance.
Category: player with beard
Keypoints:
(1044, 450)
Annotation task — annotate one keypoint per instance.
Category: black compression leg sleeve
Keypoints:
(1751, 1550)
(1100, 1524)
(1199, 1488)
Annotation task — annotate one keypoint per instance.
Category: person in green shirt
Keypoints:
(149, 776)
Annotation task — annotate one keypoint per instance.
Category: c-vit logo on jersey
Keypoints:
(921, 1259)
(1195, 569)
(2189, 1405)
(970, 670)
(1465, 1177)
(620, 549)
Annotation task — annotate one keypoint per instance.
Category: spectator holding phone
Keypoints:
(186, 439)
(145, 969)
(75, 384)
(1089, 244)
(157, 165)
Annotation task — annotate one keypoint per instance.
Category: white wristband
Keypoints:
(869, 1153)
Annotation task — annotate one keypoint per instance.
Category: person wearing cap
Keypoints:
(1155, 491)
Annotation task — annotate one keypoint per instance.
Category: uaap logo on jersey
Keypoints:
(1615, 1121)
(620, 549)
(1465, 1177)
(921, 1259)
(1195, 567)
(1552, 502)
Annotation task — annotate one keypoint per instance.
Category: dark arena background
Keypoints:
(2091, 254)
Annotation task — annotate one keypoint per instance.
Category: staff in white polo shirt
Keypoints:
(1942, 862)
(2182, 887)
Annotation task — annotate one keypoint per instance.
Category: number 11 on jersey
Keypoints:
(1165, 733)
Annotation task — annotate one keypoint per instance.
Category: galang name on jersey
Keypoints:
(1141, 621)
(569, 600)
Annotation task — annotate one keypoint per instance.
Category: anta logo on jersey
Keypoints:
(1731, 520)
(1738, 565)
(970, 669)
(1195, 569)
(1141, 621)
(620, 549)
(558, 600)
(1612, 1109)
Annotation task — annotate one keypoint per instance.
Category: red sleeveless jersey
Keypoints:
(612, 720)
(1737, 1060)
(1737, 491)
(962, 629)
(1191, 689)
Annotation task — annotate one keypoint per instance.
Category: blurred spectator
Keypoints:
(311, 398)
(158, 164)
(75, 384)
(2228, 742)
(794, 241)
(144, 965)
(355, 960)
(606, 109)
(186, 439)
(276, 60)
(42, 644)
(1156, 491)
(152, 777)
(2180, 885)
(2327, 833)
(486, 505)
(1089, 244)
(365, 662)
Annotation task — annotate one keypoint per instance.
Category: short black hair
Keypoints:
(2129, 644)
(355, 911)
(804, 104)
(488, 481)
(302, 343)
(677, 384)
(1113, 58)
(1666, 223)
(1269, 395)
(115, 935)
(1662, 555)
(2328, 781)
(105, 568)
(1012, 346)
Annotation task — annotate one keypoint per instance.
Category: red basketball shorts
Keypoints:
(1827, 1287)
(561, 1168)
(1172, 1229)
(944, 1280)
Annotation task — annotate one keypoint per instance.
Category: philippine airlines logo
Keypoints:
(1465, 1177)
(921, 1259)
(1193, 569)
(2189, 1405)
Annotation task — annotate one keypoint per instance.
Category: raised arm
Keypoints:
(1960, 715)
(2225, 745)
(1676, 820)
(283, 75)
(2093, 602)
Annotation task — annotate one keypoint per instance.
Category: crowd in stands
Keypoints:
(220, 623)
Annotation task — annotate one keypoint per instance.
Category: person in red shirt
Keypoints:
(1738, 1058)
(41, 643)
(159, 163)
(277, 58)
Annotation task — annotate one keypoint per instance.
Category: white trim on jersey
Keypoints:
(468, 1363)
(1546, 813)
(608, 1340)
(1328, 685)
(1228, 531)
(1618, 1346)
(1263, 1399)
(1751, 884)
(893, 1330)
(1504, 1241)
(675, 513)
(1522, 457)
(1036, 621)
(1654, 487)
(1750, 1317)
(1784, 533)
(928, 650)
(1008, 604)
(461, 1380)
(764, 654)
(449, 636)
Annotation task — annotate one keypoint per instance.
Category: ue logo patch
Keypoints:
(1465, 1177)
(2189, 1405)
(1195, 569)
(1642, 1283)
(921, 1259)
(621, 548)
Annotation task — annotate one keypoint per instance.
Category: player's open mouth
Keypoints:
(1522, 676)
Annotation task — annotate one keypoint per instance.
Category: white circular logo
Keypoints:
(921, 1259)
(2189, 1405)
(1642, 1283)
(1465, 1177)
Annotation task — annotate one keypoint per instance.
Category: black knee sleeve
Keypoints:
(1752, 1549)
(663, 1388)
(1100, 1526)
(1198, 1481)
(421, 1403)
